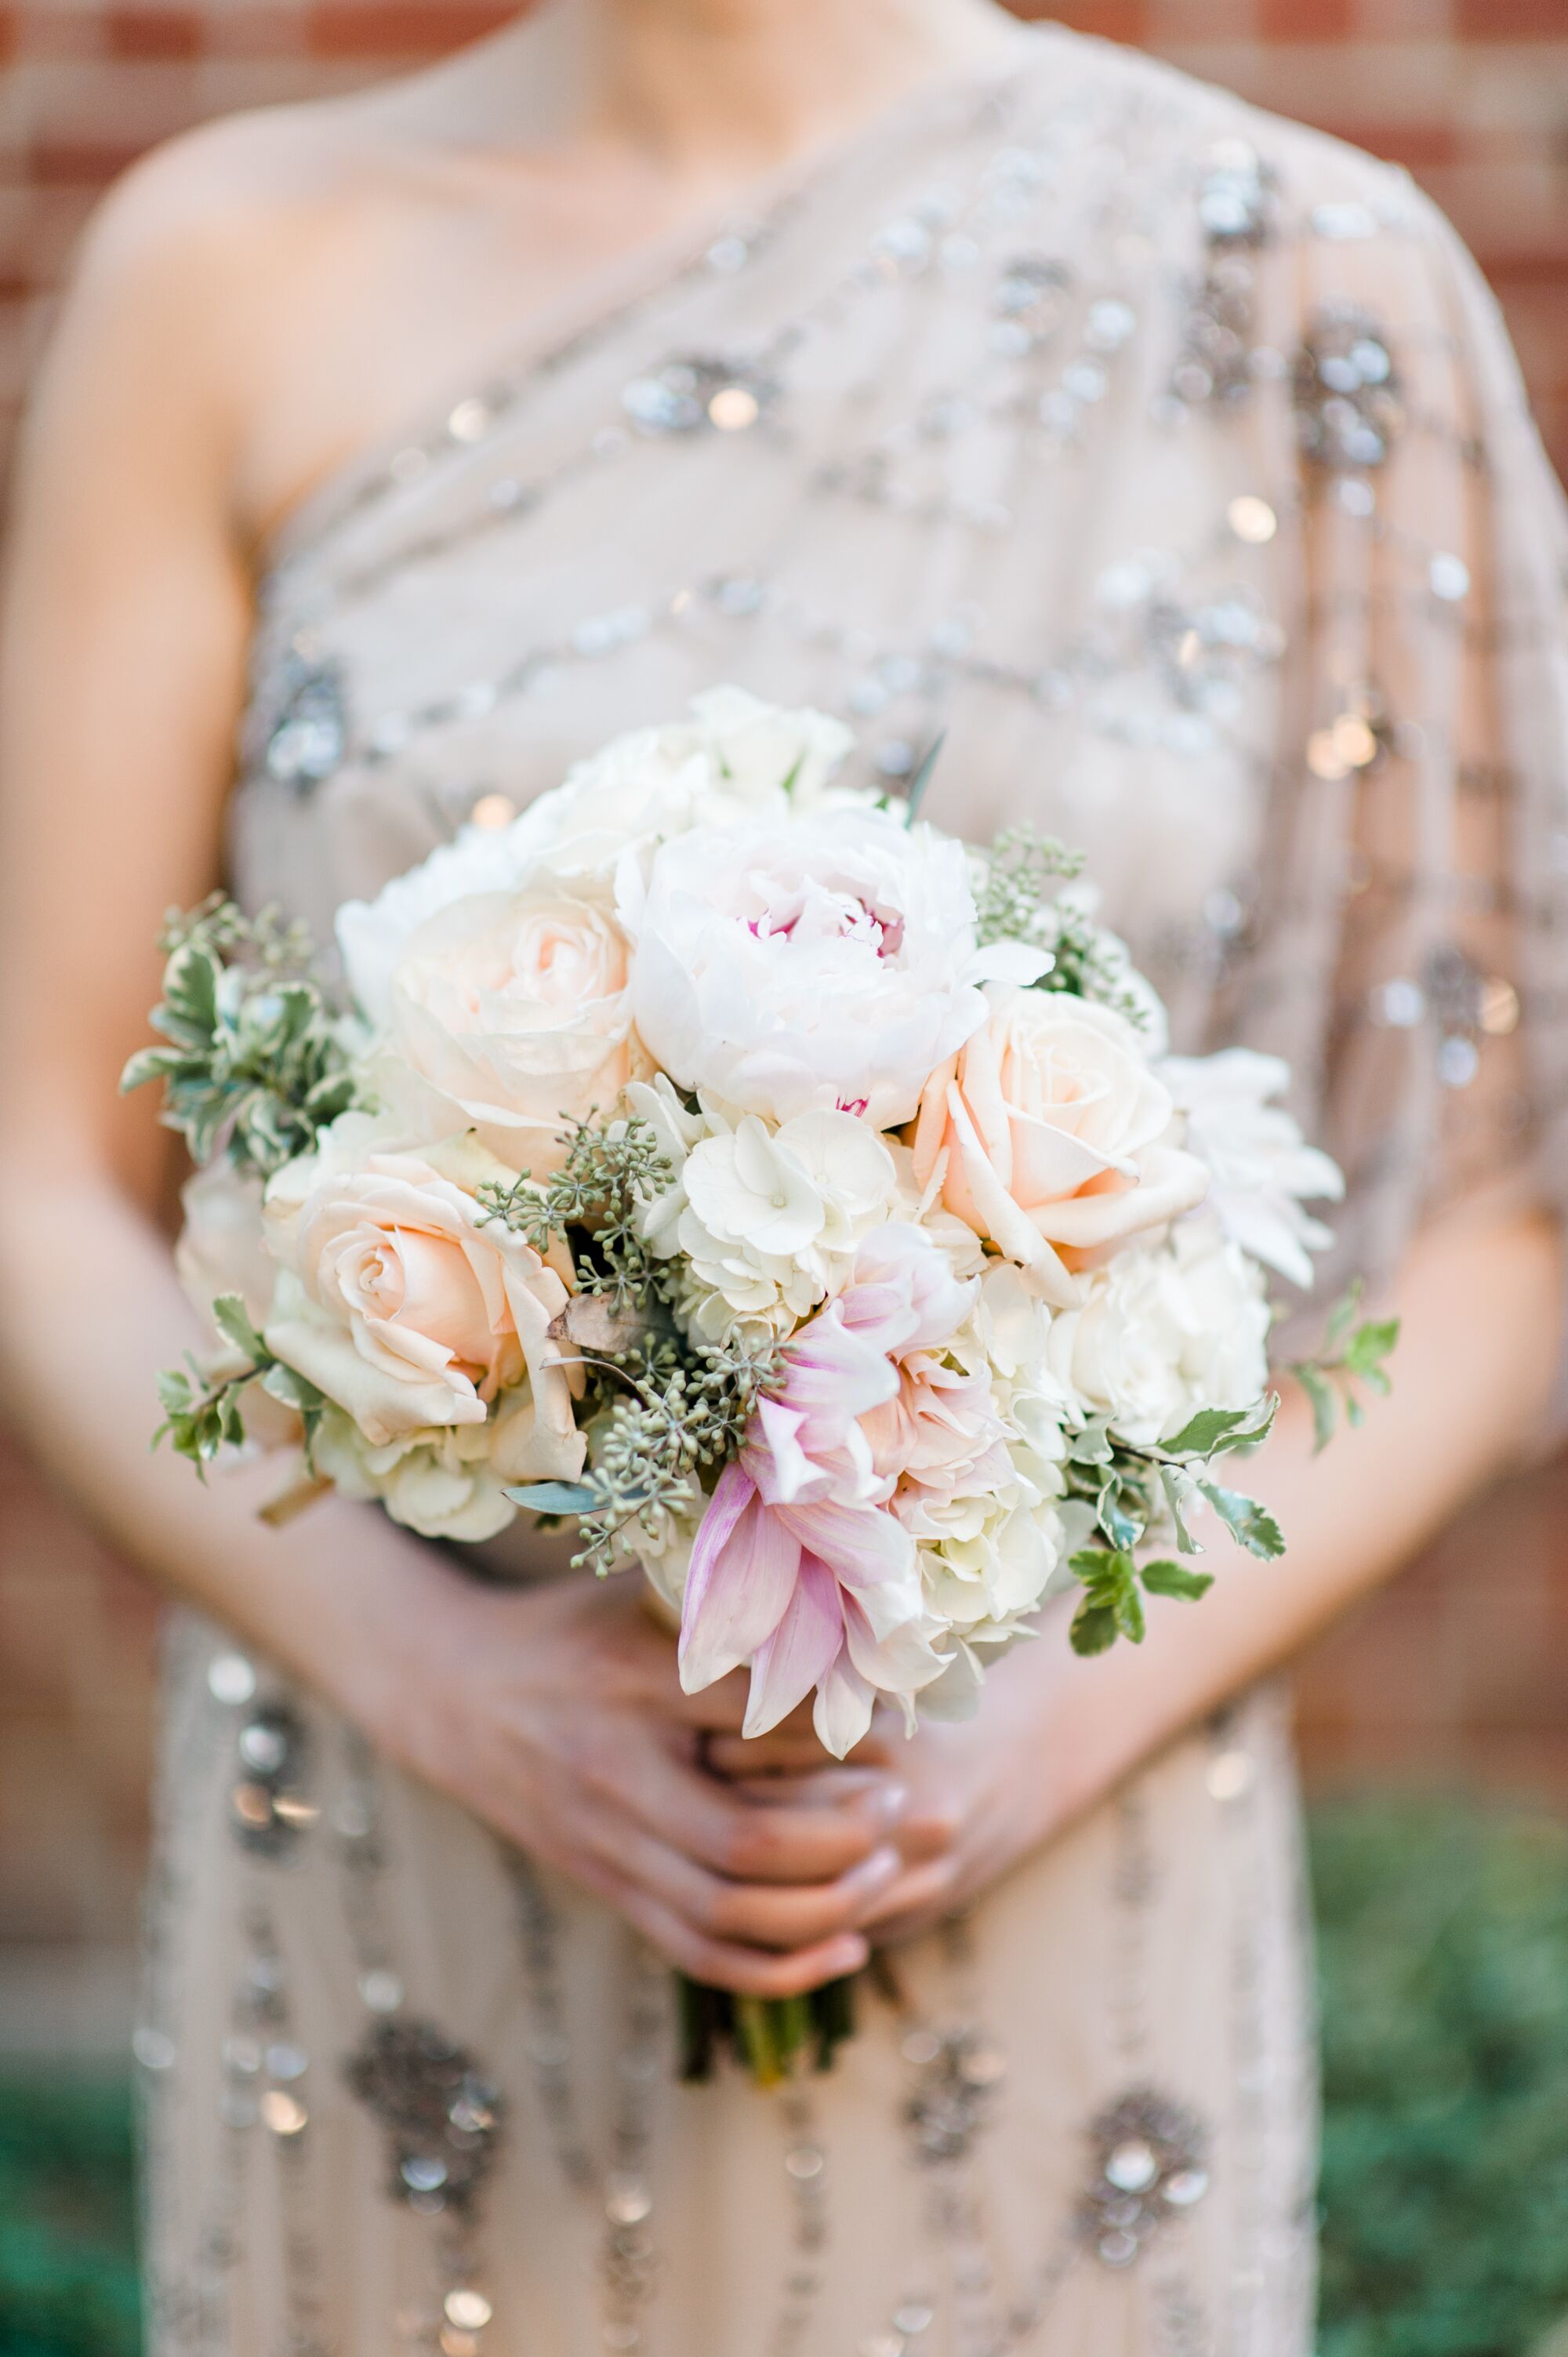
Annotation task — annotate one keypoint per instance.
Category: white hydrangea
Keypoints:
(1166, 1329)
(1004, 1548)
(736, 758)
(769, 1219)
(441, 1483)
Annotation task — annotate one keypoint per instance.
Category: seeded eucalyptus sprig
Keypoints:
(596, 1201)
(672, 1409)
(254, 1060)
(681, 1419)
(1017, 900)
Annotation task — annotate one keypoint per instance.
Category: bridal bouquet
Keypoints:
(803, 1203)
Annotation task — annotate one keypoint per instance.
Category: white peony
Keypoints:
(825, 964)
(1261, 1168)
(736, 760)
(1166, 1329)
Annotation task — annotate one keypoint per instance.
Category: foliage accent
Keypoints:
(1352, 1353)
(689, 1410)
(1016, 900)
(202, 1416)
(1135, 1493)
(254, 1060)
(597, 1200)
(671, 1409)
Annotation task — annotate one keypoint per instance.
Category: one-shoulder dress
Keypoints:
(1171, 462)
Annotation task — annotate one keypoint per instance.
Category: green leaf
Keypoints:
(1099, 1568)
(555, 1497)
(1342, 1315)
(1370, 1345)
(150, 1064)
(188, 1011)
(233, 1321)
(1325, 1405)
(292, 1389)
(1093, 1627)
(1209, 1430)
(1122, 1529)
(1108, 1574)
(1170, 1482)
(174, 1392)
(1093, 1445)
(1250, 1525)
(1129, 1613)
(922, 779)
(1175, 1579)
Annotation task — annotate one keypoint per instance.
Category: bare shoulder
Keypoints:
(214, 276)
(216, 213)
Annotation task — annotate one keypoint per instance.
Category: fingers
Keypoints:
(831, 1788)
(749, 1972)
(793, 1916)
(789, 1842)
(790, 1750)
(919, 1897)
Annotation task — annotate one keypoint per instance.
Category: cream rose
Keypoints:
(511, 1010)
(400, 1306)
(1048, 1135)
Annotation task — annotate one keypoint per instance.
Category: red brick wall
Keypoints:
(1472, 95)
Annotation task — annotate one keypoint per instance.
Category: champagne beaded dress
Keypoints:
(1172, 460)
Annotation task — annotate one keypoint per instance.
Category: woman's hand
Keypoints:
(556, 1715)
(980, 1793)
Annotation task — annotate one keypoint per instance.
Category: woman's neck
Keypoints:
(731, 87)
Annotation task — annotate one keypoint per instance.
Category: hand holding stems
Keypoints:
(556, 1715)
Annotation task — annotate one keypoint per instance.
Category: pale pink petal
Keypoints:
(801, 1649)
(930, 1128)
(900, 1663)
(790, 1471)
(868, 1551)
(744, 1565)
(844, 1702)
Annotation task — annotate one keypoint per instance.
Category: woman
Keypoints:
(886, 355)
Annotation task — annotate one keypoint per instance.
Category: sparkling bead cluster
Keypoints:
(268, 1804)
(1149, 2157)
(1349, 403)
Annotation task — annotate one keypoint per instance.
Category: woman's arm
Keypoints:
(558, 1716)
(1478, 1354)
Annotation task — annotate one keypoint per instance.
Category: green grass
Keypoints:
(68, 2270)
(1443, 1938)
(1442, 1934)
